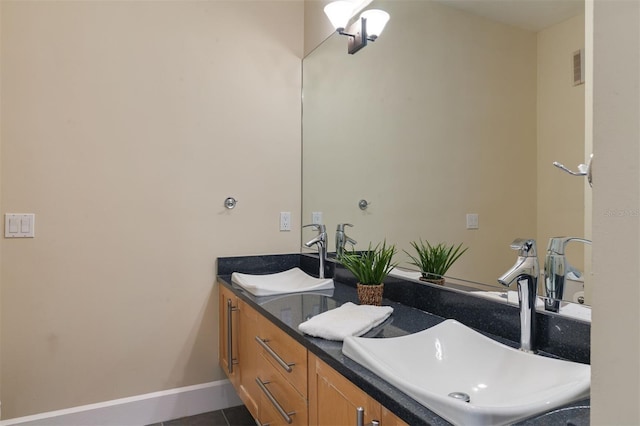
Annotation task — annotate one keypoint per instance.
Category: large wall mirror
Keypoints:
(449, 113)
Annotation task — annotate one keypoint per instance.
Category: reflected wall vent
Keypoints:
(578, 67)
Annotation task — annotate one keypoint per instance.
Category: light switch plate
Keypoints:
(19, 225)
(472, 221)
(316, 218)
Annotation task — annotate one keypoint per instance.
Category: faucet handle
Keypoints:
(557, 245)
(317, 226)
(526, 247)
(342, 225)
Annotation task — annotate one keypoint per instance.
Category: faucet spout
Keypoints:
(525, 272)
(321, 241)
(556, 267)
(342, 239)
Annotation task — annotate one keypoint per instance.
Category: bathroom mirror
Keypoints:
(449, 114)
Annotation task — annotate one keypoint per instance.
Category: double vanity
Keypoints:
(286, 377)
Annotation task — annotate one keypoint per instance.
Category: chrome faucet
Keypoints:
(556, 267)
(321, 241)
(342, 239)
(525, 273)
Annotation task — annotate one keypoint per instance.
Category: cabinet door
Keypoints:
(228, 332)
(248, 357)
(334, 400)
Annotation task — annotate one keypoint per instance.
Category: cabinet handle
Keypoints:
(231, 360)
(360, 418)
(286, 365)
(274, 402)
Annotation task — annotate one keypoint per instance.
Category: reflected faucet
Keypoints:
(342, 239)
(525, 272)
(556, 267)
(321, 241)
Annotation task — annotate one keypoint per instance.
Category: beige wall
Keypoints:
(561, 115)
(615, 332)
(434, 120)
(124, 127)
(316, 25)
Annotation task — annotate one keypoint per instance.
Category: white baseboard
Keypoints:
(141, 409)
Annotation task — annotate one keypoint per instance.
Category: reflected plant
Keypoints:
(435, 260)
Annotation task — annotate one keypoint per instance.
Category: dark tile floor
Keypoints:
(234, 416)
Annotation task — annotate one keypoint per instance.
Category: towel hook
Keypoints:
(230, 202)
(363, 204)
(583, 170)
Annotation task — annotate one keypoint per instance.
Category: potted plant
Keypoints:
(370, 268)
(435, 260)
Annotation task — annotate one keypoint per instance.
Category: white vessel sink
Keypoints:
(292, 281)
(504, 384)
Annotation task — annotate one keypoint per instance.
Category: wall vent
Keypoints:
(578, 67)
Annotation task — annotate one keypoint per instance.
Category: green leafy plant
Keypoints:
(435, 260)
(370, 267)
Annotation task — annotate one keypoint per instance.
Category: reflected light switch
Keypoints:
(472, 221)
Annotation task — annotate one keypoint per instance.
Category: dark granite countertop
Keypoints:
(288, 311)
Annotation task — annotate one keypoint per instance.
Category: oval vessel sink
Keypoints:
(292, 281)
(441, 366)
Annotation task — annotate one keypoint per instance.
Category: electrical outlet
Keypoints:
(472, 221)
(285, 221)
(316, 218)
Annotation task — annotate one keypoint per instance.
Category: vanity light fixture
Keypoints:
(367, 28)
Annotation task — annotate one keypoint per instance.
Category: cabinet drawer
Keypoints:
(279, 392)
(276, 344)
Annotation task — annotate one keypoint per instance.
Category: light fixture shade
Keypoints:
(339, 12)
(376, 21)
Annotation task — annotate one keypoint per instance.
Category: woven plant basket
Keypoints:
(439, 281)
(370, 294)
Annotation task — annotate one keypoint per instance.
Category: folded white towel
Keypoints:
(347, 320)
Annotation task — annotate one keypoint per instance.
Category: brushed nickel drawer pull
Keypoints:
(360, 418)
(272, 399)
(286, 365)
(230, 359)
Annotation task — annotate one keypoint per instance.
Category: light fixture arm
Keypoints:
(363, 30)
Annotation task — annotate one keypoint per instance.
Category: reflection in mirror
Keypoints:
(448, 114)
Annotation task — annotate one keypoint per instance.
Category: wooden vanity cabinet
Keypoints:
(279, 381)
